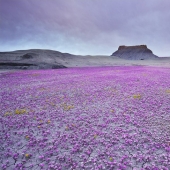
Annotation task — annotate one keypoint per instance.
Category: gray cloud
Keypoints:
(84, 26)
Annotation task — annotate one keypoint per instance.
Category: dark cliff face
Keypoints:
(140, 52)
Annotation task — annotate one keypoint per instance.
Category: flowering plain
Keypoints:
(85, 118)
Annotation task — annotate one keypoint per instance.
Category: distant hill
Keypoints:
(32, 59)
(49, 59)
(140, 52)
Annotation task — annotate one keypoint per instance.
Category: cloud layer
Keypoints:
(84, 26)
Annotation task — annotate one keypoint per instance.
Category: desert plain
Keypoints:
(63, 112)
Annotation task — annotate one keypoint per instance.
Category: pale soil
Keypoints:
(91, 61)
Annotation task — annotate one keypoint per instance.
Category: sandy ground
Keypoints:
(109, 61)
(92, 61)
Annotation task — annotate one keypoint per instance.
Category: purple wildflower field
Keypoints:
(85, 118)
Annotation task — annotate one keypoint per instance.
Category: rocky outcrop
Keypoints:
(140, 52)
(31, 59)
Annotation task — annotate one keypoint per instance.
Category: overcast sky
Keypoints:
(85, 26)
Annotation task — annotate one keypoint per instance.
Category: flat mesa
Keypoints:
(140, 52)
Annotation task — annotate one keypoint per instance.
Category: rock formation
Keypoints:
(32, 59)
(50, 59)
(140, 52)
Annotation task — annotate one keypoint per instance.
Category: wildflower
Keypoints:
(111, 159)
(137, 96)
(27, 156)
(52, 104)
(168, 91)
(27, 137)
(95, 136)
(67, 107)
(48, 121)
(66, 128)
(7, 114)
(17, 111)
(20, 111)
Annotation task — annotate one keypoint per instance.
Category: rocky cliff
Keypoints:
(140, 52)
